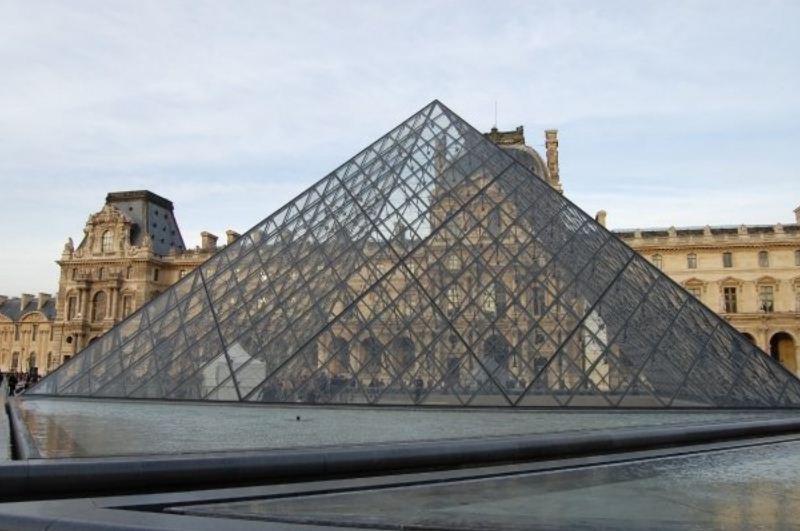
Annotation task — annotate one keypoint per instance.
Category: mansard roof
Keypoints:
(12, 308)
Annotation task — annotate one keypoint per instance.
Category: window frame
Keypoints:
(658, 261)
(763, 258)
(730, 304)
(107, 242)
(727, 259)
(766, 305)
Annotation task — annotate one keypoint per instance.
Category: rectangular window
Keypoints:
(766, 299)
(729, 295)
(33, 334)
(727, 260)
(763, 259)
(72, 304)
(695, 292)
(797, 302)
(155, 275)
(658, 261)
(691, 261)
(797, 258)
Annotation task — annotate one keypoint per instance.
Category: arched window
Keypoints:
(658, 261)
(691, 261)
(763, 259)
(107, 242)
(99, 306)
(727, 259)
(402, 351)
(782, 348)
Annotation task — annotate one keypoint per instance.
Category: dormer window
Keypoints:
(107, 242)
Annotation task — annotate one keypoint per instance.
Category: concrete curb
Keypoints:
(32, 478)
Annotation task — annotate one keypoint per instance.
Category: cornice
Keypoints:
(721, 246)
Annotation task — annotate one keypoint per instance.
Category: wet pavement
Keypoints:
(756, 487)
(97, 428)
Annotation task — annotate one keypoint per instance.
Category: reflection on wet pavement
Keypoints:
(752, 488)
(84, 428)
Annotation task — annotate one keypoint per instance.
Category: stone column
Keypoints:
(112, 304)
(83, 303)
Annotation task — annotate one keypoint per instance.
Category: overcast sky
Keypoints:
(669, 112)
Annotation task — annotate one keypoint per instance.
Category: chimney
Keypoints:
(551, 147)
(600, 217)
(232, 236)
(24, 300)
(208, 241)
(797, 215)
(42, 300)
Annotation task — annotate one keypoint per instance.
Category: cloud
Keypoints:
(228, 109)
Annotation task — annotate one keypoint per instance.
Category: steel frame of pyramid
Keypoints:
(432, 268)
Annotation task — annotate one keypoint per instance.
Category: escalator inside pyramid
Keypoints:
(434, 268)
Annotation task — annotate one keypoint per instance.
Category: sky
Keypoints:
(669, 112)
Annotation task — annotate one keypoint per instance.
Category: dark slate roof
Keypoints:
(152, 217)
(144, 195)
(11, 308)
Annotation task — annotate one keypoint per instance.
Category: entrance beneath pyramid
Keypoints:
(782, 347)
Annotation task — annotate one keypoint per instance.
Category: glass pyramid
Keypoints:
(433, 268)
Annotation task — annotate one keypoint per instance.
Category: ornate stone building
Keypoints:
(132, 249)
(26, 332)
(749, 274)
